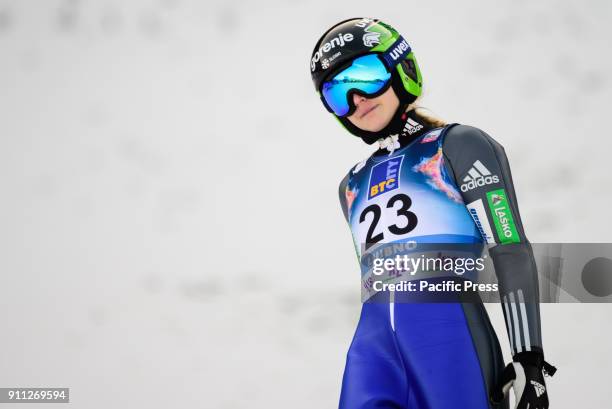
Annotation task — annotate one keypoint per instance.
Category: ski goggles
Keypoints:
(368, 75)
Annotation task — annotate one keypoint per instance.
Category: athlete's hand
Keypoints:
(526, 376)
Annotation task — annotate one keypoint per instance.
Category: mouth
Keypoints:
(368, 111)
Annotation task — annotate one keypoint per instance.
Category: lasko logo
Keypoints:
(478, 176)
(385, 177)
(477, 211)
(502, 216)
(339, 41)
(399, 49)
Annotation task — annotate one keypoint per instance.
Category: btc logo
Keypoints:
(385, 177)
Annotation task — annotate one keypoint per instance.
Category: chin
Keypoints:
(376, 127)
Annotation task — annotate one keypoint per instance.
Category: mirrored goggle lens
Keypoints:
(366, 74)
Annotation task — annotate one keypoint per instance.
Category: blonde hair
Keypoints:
(426, 115)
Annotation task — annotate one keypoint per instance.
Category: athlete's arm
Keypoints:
(481, 170)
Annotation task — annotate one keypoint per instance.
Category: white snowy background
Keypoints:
(170, 234)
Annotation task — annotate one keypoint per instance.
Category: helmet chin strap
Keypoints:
(388, 137)
(394, 126)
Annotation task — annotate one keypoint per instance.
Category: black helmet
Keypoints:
(356, 37)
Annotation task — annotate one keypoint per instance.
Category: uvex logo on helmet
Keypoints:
(399, 49)
(340, 40)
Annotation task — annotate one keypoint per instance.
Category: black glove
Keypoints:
(526, 376)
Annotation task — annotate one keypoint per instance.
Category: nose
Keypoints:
(357, 99)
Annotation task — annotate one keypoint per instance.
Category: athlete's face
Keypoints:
(373, 114)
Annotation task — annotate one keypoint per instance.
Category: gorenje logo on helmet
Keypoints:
(478, 176)
(340, 40)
